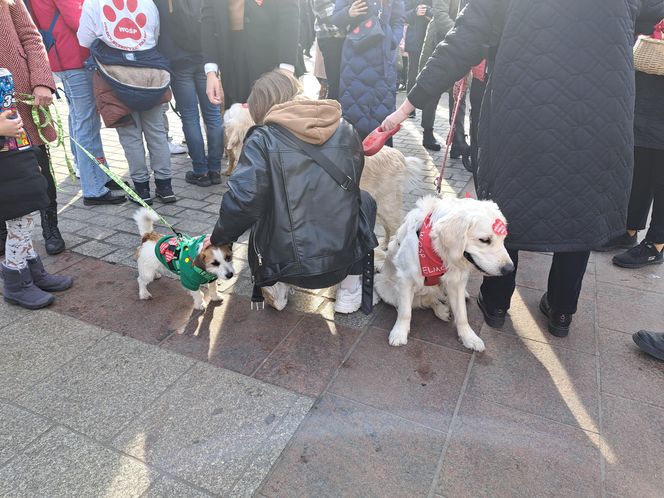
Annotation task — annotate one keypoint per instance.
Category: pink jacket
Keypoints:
(66, 53)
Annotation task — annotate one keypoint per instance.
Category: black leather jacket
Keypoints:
(303, 223)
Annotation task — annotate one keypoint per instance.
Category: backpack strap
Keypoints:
(315, 153)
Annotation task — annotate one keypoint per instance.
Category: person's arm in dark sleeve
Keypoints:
(248, 193)
(341, 18)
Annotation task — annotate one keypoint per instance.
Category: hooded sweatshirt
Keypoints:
(312, 121)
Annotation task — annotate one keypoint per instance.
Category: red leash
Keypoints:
(460, 88)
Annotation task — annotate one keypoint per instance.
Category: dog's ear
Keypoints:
(200, 260)
(451, 234)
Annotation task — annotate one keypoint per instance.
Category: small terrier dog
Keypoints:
(203, 266)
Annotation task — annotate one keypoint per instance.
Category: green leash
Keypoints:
(39, 112)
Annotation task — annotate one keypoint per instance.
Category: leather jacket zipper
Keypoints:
(258, 254)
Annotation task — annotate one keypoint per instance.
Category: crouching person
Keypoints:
(297, 187)
(23, 190)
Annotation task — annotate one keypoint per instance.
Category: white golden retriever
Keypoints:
(385, 174)
(465, 234)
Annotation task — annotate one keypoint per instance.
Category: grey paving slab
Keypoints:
(649, 278)
(10, 313)
(555, 383)
(496, 451)
(103, 390)
(633, 447)
(628, 310)
(65, 464)
(170, 488)
(214, 428)
(95, 248)
(18, 428)
(33, 347)
(627, 371)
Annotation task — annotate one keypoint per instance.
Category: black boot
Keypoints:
(143, 191)
(3, 237)
(429, 141)
(164, 191)
(557, 323)
(52, 237)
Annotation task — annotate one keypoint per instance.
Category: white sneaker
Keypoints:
(176, 149)
(276, 295)
(349, 300)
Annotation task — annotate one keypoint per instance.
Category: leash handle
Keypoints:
(462, 85)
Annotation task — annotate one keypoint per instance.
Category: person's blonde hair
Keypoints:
(273, 88)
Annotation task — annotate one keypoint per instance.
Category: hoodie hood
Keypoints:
(312, 121)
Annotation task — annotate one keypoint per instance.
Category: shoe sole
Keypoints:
(553, 329)
(199, 184)
(433, 148)
(493, 322)
(636, 265)
(167, 200)
(58, 251)
(120, 200)
(147, 201)
(29, 306)
(645, 347)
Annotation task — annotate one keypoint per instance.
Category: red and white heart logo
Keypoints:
(499, 227)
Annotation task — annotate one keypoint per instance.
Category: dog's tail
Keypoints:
(145, 221)
(417, 171)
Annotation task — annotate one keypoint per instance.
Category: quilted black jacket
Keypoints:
(302, 222)
(556, 131)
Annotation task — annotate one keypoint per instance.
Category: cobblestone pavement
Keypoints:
(106, 395)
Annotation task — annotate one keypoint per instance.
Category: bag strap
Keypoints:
(342, 179)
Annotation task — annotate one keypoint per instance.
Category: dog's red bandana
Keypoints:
(431, 264)
(499, 227)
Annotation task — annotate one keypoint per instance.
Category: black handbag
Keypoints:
(367, 33)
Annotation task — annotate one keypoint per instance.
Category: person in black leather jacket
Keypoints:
(306, 229)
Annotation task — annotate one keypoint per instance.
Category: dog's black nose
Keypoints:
(507, 269)
(229, 275)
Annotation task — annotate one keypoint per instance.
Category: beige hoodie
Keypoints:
(312, 121)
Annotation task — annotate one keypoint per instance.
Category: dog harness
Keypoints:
(431, 265)
(178, 255)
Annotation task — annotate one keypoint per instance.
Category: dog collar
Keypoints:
(431, 264)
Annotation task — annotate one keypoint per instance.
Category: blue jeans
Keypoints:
(189, 85)
(84, 126)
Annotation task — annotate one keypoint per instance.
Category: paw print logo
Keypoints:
(128, 24)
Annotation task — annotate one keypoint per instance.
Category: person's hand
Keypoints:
(214, 91)
(358, 8)
(421, 10)
(43, 95)
(10, 126)
(398, 116)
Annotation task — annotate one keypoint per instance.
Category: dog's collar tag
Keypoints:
(431, 264)
(499, 227)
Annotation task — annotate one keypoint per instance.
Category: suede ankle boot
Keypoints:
(19, 289)
(44, 280)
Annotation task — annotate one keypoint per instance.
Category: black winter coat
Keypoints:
(649, 110)
(22, 186)
(417, 28)
(556, 130)
(270, 37)
(302, 223)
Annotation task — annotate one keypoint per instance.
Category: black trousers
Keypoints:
(647, 190)
(564, 287)
(331, 48)
(429, 116)
(43, 159)
(477, 88)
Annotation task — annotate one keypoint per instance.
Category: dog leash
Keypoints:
(459, 93)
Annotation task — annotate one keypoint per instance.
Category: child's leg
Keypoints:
(156, 139)
(131, 139)
(18, 248)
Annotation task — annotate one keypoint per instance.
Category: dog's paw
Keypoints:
(398, 337)
(144, 296)
(442, 311)
(199, 307)
(216, 299)
(473, 342)
(157, 276)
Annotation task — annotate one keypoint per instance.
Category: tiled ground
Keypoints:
(106, 395)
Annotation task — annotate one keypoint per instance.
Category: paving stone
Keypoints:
(62, 463)
(634, 438)
(526, 320)
(232, 335)
(424, 325)
(649, 278)
(347, 449)
(33, 347)
(95, 249)
(628, 310)
(126, 257)
(101, 391)
(627, 371)
(18, 428)
(357, 320)
(420, 381)
(497, 451)
(308, 358)
(561, 384)
(60, 262)
(211, 426)
(170, 488)
(10, 313)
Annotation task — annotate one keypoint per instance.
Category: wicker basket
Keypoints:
(649, 55)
